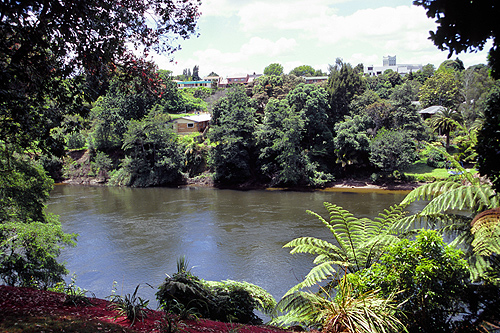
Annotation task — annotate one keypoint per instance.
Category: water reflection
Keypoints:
(136, 235)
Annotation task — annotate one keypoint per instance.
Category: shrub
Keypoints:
(430, 278)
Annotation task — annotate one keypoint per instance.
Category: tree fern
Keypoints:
(453, 205)
(357, 243)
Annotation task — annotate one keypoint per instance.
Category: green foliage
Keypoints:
(229, 301)
(273, 69)
(74, 295)
(269, 86)
(153, 156)
(131, 306)
(433, 157)
(453, 204)
(392, 150)
(429, 277)
(456, 32)
(193, 99)
(304, 70)
(488, 145)
(443, 88)
(282, 158)
(358, 242)
(344, 84)
(352, 142)
(30, 238)
(445, 121)
(347, 311)
(232, 130)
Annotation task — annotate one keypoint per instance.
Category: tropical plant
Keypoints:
(453, 204)
(358, 242)
(445, 121)
(347, 311)
(131, 306)
(186, 295)
(430, 278)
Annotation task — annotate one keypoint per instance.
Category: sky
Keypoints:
(245, 36)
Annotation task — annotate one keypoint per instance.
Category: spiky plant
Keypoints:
(453, 205)
(348, 311)
(358, 242)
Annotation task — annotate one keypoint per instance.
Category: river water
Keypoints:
(135, 236)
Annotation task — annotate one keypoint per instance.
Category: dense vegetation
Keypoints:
(69, 82)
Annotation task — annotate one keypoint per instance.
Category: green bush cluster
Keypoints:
(185, 294)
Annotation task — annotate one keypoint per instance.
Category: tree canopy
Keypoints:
(458, 28)
(273, 69)
(45, 42)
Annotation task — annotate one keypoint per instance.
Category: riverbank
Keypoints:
(31, 310)
(81, 174)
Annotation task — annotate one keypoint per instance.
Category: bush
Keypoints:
(429, 276)
(186, 295)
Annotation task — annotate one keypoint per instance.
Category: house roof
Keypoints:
(432, 109)
(198, 118)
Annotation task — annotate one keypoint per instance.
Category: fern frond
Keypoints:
(429, 191)
(474, 198)
(486, 231)
(310, 245)
(317, 274)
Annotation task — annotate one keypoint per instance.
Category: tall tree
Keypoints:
(47, 48)
(44, 42)
(196, 75)
(232, 130)
(458, 30)
(343, 84)
(273, 69)
(488, 147)
(443, 88)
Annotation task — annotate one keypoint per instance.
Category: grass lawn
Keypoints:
(424, 173)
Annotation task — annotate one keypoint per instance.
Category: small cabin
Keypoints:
(192, 124)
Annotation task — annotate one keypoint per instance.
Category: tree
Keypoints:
(282, 160)
(273, 69)
(196, 75)
(456, 65)
(312, 102)
(445, 121)
(443, 88)
(232, 130)
(304, 70)
(269, 86)
(426, 72)
(153, 156)
(458, 31)
(352, 142)
(343, 84)
(49, 51)
(392, 150)
(488, 146)
(30, 238)
(45, 42)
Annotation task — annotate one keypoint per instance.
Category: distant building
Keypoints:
(314, 79)
(194, 84)
(237, 79)
(389, 62)
(192, 124)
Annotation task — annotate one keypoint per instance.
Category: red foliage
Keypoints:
(31, 302)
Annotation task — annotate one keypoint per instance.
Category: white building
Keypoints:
(390, 63)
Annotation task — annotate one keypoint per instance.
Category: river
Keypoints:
(135, 236)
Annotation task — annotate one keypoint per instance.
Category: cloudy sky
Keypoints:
(244, 36)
